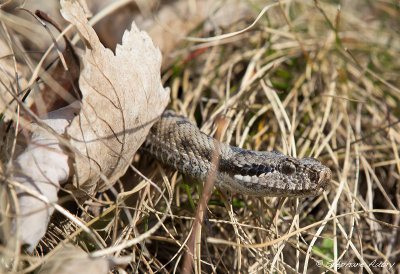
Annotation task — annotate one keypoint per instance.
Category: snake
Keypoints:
(177, 142)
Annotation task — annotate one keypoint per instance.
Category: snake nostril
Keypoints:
(313, 176)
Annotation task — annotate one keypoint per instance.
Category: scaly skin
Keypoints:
(177, 142)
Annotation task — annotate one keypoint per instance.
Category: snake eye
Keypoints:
(288, 168)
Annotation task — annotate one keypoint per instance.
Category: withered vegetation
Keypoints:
(309, 79)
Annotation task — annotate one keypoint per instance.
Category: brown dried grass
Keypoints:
(309, 80)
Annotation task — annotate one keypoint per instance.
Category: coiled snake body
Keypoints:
(176, 141)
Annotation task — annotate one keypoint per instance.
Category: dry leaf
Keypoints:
(71, 259)
(122, 98)
(38, 172)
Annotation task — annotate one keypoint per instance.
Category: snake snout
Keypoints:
(325, 177)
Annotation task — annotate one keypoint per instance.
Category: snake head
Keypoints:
(294, 177)
(316, 176)
(275, 174)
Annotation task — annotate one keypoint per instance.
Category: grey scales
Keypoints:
(177, 142)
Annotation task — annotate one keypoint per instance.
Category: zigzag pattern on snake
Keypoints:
(177, 142)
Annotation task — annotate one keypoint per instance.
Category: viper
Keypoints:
(176, 141)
